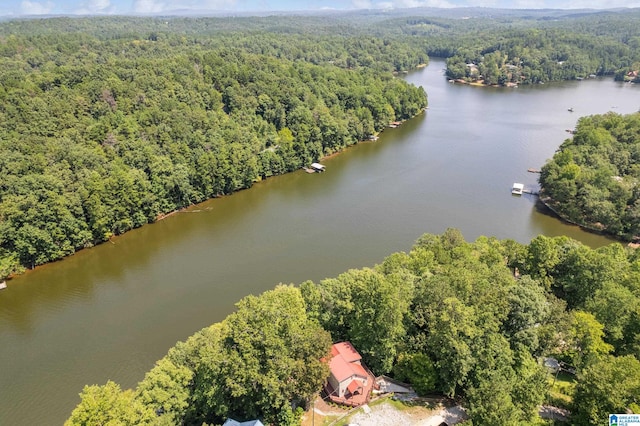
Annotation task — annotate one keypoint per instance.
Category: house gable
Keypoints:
(349, 379)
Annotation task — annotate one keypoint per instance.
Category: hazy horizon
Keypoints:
(20, 8)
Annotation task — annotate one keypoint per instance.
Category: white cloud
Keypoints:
(156, 6)
(148, 6)
(562, 4)
(512, 4)
(361, 4)
(90, 7)
(214, 4)
(598, 4)
(423, 3)
(36, 8)
(399, 4)
(528, 4)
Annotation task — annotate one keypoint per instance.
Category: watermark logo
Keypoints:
(624, 419)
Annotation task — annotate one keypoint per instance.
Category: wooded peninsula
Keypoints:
(467, 320)
(593, 178)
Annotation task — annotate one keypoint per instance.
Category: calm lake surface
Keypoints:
(110, 312)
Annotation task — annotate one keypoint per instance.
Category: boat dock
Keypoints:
(314, 167)
(517, 189)
(533, 170)
(318, 167)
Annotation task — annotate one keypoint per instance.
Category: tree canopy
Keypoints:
(593, 178)
(263, 361)
(449, 316)
(105, 129)
(108, 123)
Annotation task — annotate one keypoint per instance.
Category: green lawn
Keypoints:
(561, 392)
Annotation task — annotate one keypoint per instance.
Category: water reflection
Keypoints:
(112, 311)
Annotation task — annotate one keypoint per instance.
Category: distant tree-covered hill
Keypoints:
(525, 47)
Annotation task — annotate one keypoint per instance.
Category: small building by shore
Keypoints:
(517, 189)
(317, 167)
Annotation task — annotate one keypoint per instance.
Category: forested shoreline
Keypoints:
(592, 180)
(110, 122)
(466, 320)
(533, 51)
(102, 134)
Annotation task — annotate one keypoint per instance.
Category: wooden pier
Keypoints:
(533, 170)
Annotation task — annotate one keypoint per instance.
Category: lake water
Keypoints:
(110, 312)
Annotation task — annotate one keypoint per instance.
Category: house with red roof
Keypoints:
(350, 382)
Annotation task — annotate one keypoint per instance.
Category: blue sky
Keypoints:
(123, 7)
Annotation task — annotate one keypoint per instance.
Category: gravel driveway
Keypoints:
(386, 415)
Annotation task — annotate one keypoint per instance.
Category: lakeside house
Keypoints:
(350, 382)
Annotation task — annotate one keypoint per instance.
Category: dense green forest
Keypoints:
(593, 178)
(536, 49)
(467, 320)
(108, 123)
(107, 130)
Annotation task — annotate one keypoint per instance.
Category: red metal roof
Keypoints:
(344, 362)
(347, 351)
(359, 370)
(353, 386)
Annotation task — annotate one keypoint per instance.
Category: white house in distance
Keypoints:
(349, 382)
(231, 422)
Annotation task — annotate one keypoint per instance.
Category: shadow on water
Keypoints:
(79, 276)
(542, 209)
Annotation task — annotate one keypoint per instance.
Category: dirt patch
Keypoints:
(383, 413)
